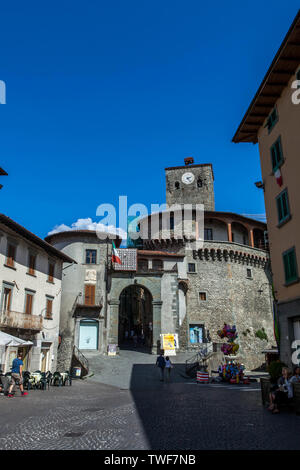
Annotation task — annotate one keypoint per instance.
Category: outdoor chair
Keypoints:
(57, 379)
(67, 378)
(49, 377)
(42, 384)
(28, 381)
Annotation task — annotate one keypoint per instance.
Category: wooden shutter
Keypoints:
(28, 307)
(89, 294)
(51, 272)
(49, 308)
(11, 255)
(31, 264)
(7, 299)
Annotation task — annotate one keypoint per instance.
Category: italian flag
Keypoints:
(115, 255)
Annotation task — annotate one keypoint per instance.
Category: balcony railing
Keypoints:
(21, 320)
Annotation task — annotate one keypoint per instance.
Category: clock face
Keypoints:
(188, 178)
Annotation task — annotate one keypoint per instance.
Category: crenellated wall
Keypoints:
(233, 295)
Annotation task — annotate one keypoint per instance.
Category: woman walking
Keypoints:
(169, 366)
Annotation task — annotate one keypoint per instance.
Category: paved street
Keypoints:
(163, 416)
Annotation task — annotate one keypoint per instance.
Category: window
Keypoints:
(143, 265)
(298, 77)
(272, 119)
(208, 234)
(31, 264)
(51, 272)
(172, 221)
(157, 265)
(28, 303)
(276, 154)
(202, 296)
(7, 294)
(196, 334)
(283, 206)
(290, 266)
(49, 305)
(89, 294)
(11, 255)
(177, 185)
(192, 267)
(199, 183)
(90, 256)
(249, 273)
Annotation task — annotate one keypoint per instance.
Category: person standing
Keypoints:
(16, 376)
(169, 367)
(161, 364)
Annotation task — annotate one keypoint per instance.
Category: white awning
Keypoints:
(9, 340)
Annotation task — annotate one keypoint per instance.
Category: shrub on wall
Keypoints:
(261, 334)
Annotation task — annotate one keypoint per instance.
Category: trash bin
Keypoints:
(76, 374)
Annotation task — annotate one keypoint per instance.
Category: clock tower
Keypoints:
(191, 184)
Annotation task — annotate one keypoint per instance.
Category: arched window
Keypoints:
(177, 185)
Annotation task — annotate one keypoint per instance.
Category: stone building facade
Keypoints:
(171, 284)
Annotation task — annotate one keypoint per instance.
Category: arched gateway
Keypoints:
(135, 305)
(135, 317)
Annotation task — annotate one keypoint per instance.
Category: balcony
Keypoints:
(88, 310)
(25, 321)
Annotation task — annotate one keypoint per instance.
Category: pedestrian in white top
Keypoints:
(168, 366)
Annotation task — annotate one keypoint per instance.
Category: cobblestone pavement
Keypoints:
(168, 416)
(135, 368)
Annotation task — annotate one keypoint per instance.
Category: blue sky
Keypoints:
(102, 96)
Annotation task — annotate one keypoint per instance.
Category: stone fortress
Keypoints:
(169, 285)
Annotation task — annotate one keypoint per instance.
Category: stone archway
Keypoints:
(118, 283)
(135, 328)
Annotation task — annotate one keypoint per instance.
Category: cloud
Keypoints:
(88, 224)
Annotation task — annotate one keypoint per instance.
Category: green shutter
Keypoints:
(279, 208)
(290, 266)
(283, 206)
(276, 154)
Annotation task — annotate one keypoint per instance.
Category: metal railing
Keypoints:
(204, 352)
(81, 358)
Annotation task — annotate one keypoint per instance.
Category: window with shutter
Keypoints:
(28, 305)
(31, 268)
(272, 119)
(7, 299)
(49, 304)
(51, 272)
(283, 206)
(290, 266)
(11, 255)
(89, 298)
(276, 154)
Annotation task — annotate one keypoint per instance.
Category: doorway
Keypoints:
(135, 318)
(88, 334)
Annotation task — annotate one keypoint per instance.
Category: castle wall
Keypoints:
(232, 297)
